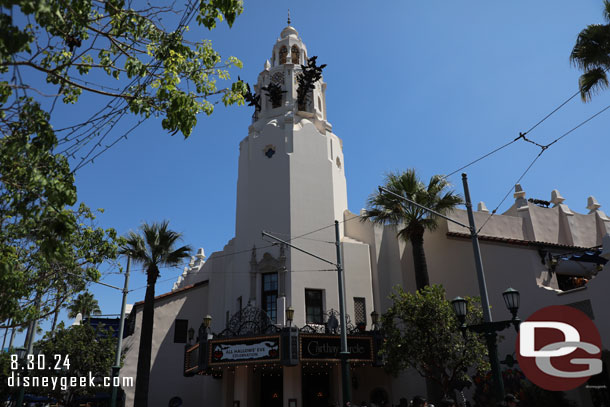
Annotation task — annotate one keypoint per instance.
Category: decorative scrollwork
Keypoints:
(250, 320)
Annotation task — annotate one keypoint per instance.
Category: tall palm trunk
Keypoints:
(419, 258)
(146, 335)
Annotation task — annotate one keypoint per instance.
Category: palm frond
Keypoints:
(174, 258)
(607, 10)
(592, 82)
(155, 247)
(592, 48)
(385, 208)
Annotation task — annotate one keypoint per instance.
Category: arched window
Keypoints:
(283, 54)
(295, 54)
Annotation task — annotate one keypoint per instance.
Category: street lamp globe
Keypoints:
(191, 334)
(511, 299)
(374, 317)
(459, 307)
(289, 314)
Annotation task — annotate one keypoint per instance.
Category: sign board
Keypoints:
(328, 347)
(242, 350)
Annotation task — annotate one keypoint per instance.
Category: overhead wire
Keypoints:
(214, 256)
(543, 148)
(521, 136)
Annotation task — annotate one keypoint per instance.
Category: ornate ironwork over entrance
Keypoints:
(331, 325)
(251, 320)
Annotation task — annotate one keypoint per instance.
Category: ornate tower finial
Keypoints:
(288, 16)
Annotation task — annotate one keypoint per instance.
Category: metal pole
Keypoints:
(345, 373)
(29, 345)
(344, 354)
(490, 336)
(477, 253)
(6, 333)
(117, 360)
(10, 342)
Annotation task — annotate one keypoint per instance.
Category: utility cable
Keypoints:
(543, 148)
(521, 136)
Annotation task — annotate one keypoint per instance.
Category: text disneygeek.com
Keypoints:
(66, 382)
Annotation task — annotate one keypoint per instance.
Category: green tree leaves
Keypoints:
(50, 247)
(47, 245)
(154, 68)
(422, 333)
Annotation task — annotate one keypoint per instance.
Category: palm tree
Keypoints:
(387, 209)
(591, 53)
(154, 248)
(84, 304)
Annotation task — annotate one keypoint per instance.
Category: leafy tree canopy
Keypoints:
(123, 52)
(86, 349)
(423, 333)
(58, 50)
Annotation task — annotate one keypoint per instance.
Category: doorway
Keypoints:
(316, 388)
(271, 389)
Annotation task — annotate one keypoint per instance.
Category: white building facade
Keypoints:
(292, 184)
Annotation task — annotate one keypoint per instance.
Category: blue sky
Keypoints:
(430, 85)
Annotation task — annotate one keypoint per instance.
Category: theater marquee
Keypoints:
(316, 348)
(237, 351)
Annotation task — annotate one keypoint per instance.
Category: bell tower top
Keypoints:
(289, 48)
(278, 83)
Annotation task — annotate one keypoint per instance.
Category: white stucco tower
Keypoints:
(291, 174)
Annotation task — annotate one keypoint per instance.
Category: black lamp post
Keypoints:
(191, 333)
(21, 355)
(374, 319)
(490, 329)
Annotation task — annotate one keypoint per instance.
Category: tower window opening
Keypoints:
(319, 104)
(283, 54)
(295, 54)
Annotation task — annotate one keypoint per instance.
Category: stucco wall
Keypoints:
(166, 378)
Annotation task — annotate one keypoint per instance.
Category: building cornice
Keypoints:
(519, 242)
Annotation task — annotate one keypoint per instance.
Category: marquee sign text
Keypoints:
(236, 351)
(328, 347)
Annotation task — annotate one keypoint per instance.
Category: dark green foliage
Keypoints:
(251, 98)
(310, 74)
(591, 53)
(88, 350)
(388, 209)
(84, 304)
(49, 246)
(422, 333)
(275, 94)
